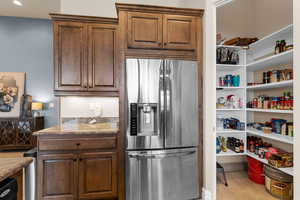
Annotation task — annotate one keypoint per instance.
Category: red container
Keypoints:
(256, 171)
(254, 164)
(257, 178)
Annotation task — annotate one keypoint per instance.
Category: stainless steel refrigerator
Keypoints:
(162, 130)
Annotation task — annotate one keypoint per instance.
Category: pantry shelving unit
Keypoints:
(256, 59)
(270, 111)
(281, 84)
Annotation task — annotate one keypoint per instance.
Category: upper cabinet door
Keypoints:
(98, 175)
(70, 72)
(144, 30)
(179, 32)
(102, 67)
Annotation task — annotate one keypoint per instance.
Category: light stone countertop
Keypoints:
(11, 166)
(100, 128)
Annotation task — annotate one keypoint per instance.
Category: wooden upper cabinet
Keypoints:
(179, 32)
(145, 30)
(69, 48)
(160, 28)
(85, 55)
(58, 174)
(102, 69)
(97, 175)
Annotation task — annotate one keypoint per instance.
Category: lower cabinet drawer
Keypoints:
(77, 144)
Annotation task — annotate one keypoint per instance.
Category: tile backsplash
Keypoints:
(89, 107)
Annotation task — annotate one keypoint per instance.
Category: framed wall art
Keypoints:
(11, 90)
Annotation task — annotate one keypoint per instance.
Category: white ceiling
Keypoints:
(30, 8)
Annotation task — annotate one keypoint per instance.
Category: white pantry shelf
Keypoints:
(229, 153)
(283, 33)
(230, 88)
(233, 47)
(230, 131)
(289, 170)
(270, 111)
(225, 109)
(227, 66)
(281, 84)
(275, 60)
(272, 136)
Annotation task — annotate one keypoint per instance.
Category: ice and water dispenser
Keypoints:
(143, 119)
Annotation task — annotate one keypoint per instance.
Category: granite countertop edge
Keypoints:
(60, 131)
(11, 166)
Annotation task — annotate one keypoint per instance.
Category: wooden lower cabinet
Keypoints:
(78, 175)
(97, 175)
(57, 176)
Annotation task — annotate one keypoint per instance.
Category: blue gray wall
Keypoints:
(26, 46)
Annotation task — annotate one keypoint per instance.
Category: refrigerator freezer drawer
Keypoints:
(162, 175)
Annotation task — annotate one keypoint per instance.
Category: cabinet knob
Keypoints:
(78, 144)
(74, 159)
(165, 43)
(80, 159)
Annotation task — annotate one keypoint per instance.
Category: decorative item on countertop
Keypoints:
(37, 107)
(26, 106)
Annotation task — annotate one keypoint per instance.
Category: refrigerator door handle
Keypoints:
(161, 155)
(161, 99)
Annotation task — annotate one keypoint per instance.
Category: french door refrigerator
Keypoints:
(162, 130)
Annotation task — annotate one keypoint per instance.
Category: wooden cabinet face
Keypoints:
(102, 58)
(70, 73)
(144, 30)
(179, 32)
(97, 175)
(57, 177)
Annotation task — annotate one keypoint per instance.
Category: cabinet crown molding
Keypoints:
(83, 18)
(158, 9)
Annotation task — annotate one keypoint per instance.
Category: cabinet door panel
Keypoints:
(102, 57)
(179, 32)
(97, 175)
(70, 73)
(144, 30)
(57, 179)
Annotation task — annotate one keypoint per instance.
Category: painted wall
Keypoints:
(270, 18)
(26, 46)
(106, 8)
(236, 19)
(253, 18)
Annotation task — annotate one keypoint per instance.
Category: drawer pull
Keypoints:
(80, 159)
(78, 144)
(74, 160)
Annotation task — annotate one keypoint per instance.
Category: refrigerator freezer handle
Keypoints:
(161, 155)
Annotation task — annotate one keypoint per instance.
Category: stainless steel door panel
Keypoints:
(162, 175)
(181, 99)
(144, 85)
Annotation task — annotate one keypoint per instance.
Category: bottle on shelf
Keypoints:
(277, 47)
